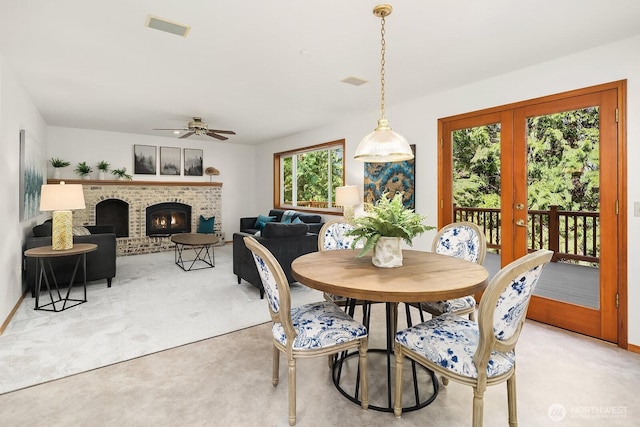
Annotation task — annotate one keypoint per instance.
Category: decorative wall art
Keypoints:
(32, 165)
(192, 162)
(144, 159)
(392, 177)
(169, 161)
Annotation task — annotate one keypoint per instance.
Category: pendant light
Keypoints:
(383, 144)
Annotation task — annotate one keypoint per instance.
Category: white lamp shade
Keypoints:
(61, 197)
(347, 196)
(383, 145)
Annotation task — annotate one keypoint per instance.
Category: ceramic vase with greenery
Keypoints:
(383, 228)
(121, 174)
(83, 169)
(58, 164)
(103, 168)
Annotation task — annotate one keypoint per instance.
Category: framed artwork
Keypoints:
(192, 162)
(392, 177)
(169, 161)
(144, 159)
(32, 164)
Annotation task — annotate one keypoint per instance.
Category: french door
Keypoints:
(548, 173)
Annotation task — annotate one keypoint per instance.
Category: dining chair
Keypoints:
(333, 236)
(462, 240)
(311, 330)
(477, 354)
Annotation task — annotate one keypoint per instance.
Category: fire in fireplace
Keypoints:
(168, 218)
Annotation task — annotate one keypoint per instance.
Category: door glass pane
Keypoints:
(563, 165)
(476, 184)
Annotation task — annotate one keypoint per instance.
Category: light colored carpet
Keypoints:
(152, 305)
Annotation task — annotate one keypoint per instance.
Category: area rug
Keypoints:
(152, 305)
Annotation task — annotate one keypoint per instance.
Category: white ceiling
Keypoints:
(94, 65)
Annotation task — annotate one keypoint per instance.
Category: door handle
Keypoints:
(520, 223)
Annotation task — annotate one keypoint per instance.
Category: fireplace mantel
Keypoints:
(141, 183)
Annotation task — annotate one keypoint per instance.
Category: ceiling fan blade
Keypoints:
(186, 135)
(216, 136)
(170, 129)
(229, 132)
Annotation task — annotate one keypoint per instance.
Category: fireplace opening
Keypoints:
(168, 218)
(114, 212)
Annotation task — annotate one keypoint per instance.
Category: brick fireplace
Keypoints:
(203, 198)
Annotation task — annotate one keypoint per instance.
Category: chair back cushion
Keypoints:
(333, 236)
(268, 283)
(461, 240)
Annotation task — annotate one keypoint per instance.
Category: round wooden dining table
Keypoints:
(423, 276)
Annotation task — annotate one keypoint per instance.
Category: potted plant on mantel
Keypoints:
(103, 168)
(122, 174)
(383, 228)
(83, 169)
(58, 164)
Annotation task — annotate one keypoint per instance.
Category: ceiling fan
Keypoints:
(198, 127)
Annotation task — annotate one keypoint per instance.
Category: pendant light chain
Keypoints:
(382, 63)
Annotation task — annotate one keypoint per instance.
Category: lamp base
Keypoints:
(62, 231)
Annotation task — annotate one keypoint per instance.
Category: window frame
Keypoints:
(278, 177)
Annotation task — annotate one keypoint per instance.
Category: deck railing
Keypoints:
(572, 236)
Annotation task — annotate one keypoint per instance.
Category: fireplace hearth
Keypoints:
(168, 218)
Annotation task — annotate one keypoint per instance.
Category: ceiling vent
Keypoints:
(355, 81)
(167, 26)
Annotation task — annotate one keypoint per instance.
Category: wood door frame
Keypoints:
(497, 114)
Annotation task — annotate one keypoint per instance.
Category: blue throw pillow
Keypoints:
(262, 220)
(205, 225)
(297, 221)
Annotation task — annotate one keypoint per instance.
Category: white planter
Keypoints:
(102, 175)
(56, 173)
(86, 177)
(387, 252)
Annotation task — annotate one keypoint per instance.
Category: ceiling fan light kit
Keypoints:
(198, 127)
(383, 145)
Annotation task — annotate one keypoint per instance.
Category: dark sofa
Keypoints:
(285, 241)
(248, 224)
(101, 263)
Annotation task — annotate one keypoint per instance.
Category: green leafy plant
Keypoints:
(83, 169)
(103, 166)
(387, 218)
(59, 163)
(121, 173)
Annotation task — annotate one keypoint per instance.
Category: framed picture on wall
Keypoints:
(169, 161)
(144, 159)
(32, 165)
(391, 177)
(192, 162)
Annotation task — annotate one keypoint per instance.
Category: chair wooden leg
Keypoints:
(397, 403)
(478, 410)
(276, 366)
(292, 392)
(364, 384)
(330, 360)
(511, 401)
(472, 316)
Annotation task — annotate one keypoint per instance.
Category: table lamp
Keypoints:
(348, 197)
(61, 199)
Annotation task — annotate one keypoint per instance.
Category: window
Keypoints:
(307, 178)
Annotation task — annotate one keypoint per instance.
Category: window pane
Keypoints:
(287, 178)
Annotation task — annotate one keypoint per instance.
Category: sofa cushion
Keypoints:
(42, 230)
(277, 229)
(262, 220)
(309, 218)
(79, 230)
(206, 225)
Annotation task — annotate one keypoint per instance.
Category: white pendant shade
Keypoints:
(383, 145)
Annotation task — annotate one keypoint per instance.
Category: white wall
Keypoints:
(17, 112)
(417, 121)
(234, 161)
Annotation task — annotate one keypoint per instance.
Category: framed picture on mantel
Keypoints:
(144, 159)
(169, 161)
(192, 162)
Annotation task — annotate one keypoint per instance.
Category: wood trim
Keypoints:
(623, 296)
(634, 348)
(136, 183)
(11, 314)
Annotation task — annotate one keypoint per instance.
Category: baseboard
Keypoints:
(11, 314)
(634, 348)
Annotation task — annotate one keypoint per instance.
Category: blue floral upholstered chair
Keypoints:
(333, 237)
(477, 354)
(311, 330)
(462, 240)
